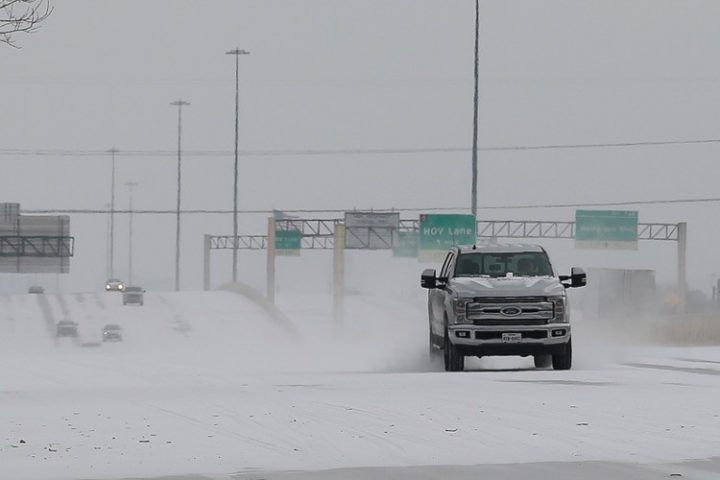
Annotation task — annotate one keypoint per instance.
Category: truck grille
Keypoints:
(514, 321)
(510, 311)
(504, 300)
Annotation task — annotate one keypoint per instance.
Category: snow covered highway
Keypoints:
(208, 384)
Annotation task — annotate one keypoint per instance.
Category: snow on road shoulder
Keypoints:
(207, 383)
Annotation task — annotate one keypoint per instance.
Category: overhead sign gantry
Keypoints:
(332, 234)
(34, 243)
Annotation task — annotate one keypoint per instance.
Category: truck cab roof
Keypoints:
(500, 248)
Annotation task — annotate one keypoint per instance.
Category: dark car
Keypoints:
(66, 328)
(134, 295)
(112, 333)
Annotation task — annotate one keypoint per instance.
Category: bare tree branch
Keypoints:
(21, 16)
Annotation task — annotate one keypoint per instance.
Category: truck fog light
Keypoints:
(462, 334)
(558, 333)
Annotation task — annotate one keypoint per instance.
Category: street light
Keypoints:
(112, 153)
(178, 103)
(237, 52)
(130, 186)
(475, 115)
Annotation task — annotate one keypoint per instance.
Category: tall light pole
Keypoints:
(107, 242)
(112, 153)
(178, 103)
(130, 186)
(237, 52)
(475, 114)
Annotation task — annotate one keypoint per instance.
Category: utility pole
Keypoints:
(237, 52)
(178, 103)
(112, 152)
(130, 186)
(473, 207)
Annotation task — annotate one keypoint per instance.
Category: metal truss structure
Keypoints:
(36, 246)
(245, 242)
(541, 229)
(333, 234)
(317, 234)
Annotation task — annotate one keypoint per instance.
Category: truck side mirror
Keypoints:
(578, 277)
(428, 279)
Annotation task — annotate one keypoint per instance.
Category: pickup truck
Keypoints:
(500, 300)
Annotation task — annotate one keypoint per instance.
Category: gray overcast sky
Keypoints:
(366, 74)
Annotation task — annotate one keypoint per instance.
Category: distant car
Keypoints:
(36, 289)
(114, 285)
(66, 328)
(133, 295)
(112, 333)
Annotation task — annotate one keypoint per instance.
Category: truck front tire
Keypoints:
(433, 346)
(563, 361)
(542, 361)
(434, 343)
(454, 362)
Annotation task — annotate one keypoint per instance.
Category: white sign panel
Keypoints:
(370, 230)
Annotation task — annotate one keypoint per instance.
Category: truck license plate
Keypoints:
(511, 337)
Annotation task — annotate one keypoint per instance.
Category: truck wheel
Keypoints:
(542, 361)
(433, 344)
(454, 362)
(433, 350)
(563, 361)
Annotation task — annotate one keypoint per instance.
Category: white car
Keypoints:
(114, 285)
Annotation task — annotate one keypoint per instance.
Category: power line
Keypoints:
(342, 210)
(340, 151)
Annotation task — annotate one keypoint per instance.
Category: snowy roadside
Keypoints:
(206, 383)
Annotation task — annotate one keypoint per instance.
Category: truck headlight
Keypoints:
(460, 308)
(559, 309)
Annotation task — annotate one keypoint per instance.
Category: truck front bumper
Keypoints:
(475, 340)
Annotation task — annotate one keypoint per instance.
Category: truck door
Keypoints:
(437, 297)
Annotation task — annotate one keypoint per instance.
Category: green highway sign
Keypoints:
(405, 244)
(287, 242)
(439, 232)
(606, 229)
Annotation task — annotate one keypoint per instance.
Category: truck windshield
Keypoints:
(520, 264)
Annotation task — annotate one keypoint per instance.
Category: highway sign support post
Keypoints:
(682, 260)
(339, 275)
(206, 262)
(271, 253)
(405, 244)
